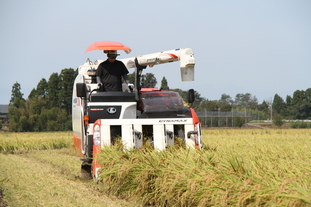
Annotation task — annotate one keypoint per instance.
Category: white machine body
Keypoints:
(160, 114)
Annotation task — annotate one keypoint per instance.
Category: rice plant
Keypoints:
(14, 142)
(236, 168)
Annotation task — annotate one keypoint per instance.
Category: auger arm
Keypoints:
(184, 55)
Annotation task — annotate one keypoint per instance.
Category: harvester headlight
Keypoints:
(96, 135)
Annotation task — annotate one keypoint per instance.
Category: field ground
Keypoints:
(48, 177)
(239, 167)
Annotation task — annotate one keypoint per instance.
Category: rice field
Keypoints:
(248, 167)
(237, 167)
(43, 169)
(24, 141)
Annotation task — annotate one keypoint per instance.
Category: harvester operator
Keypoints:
(109, 73)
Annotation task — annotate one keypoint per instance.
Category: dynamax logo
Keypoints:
(173, 120)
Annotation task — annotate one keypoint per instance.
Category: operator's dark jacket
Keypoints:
(111, 75)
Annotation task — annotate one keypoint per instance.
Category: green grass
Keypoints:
(237, 168)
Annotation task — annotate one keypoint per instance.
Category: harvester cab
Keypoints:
(135, 117)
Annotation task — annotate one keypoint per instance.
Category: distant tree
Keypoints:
(53, 91)
(226, 99)
(148, 80)
(264, 110)
(16, 95)
(47, 107)
(288, 103)
(246, 100)
(225, 102)
(253, 103)
(298, 97)
(264, 106)
(198, 101)
(33, 93)
(35, 107)
(14, 116)
(56, 119)
(239, 99)
(288, 100)
(308, 103)
(16, 108)
(300, 105)
(278, 105)
(42, 88)
(164, 84)
(23, 124)
(238, 121)
(278, 120)
(211, 105)
(225, 106)
(308, 94)
(43, 119)
(66, 81)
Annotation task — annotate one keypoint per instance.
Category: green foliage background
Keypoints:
(48, 106)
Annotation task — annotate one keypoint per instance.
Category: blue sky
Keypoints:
(258, 47)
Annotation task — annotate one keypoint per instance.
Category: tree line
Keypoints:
(48, 106)
(296, 107)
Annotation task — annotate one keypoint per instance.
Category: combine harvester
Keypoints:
(99, 117)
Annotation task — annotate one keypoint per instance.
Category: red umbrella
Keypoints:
(108, 45)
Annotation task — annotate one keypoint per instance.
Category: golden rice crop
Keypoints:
(12, 142)
(255, 167)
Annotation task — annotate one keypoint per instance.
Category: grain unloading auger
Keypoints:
(100, 117)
